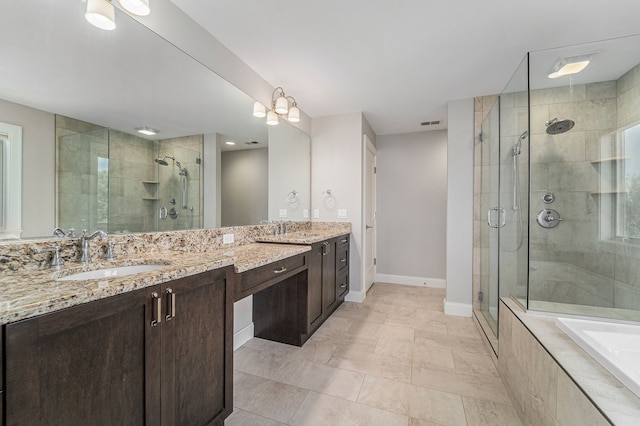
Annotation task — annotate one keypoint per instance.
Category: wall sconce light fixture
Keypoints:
(281, 105)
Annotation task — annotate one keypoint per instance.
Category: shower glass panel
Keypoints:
(489, 199)
(83, 175)
(504, 179)
(514, 186)
(585, 151)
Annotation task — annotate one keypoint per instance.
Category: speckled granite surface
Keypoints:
(307, 236)
(28, 287)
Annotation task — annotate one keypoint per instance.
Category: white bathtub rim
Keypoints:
(597, 351)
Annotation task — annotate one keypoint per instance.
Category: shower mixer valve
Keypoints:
(548, 218)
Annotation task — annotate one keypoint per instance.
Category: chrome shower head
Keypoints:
(555, 127)
(163, 161)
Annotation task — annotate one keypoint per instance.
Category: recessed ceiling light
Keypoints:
(569, 66)
(230, 143)
(148, 131)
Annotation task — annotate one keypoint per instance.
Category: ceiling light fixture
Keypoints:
(569, 66)
(281, 105)
(136, 7)
(148, 131)
(230, 143)
(101, 14)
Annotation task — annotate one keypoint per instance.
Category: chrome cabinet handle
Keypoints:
(503, 217)
(343, 260)
(157, 307)
(327, 248)
(346, 239)
(279, 271)
(171, 305)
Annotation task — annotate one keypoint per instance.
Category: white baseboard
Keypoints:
(458, 309)
(354, 296)
(414, 281)
(242, 336)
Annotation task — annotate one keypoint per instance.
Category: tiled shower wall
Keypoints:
(570, 263)
(130, 164)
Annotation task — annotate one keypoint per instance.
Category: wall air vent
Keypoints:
(430, 123)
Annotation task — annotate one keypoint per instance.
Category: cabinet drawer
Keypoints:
(342, 257)
(342, 284)
(343, 240)
(251, 280)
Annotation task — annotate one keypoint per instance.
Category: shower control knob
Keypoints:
(548, 198)
(548, 218)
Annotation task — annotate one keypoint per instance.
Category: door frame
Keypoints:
(368, 146)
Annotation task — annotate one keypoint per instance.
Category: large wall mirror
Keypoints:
(87, 91)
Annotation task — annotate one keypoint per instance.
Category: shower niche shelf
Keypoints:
(150, 182)
(610, 160)
(150, 199)
(611, 192)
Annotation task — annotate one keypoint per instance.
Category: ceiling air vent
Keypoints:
(252, 143)
(430, 123)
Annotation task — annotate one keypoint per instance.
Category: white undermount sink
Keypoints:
(119, 271)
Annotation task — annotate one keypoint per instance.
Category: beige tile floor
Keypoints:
(394, 360)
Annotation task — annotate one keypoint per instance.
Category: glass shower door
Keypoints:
(490, 206)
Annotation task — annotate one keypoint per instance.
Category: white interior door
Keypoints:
(370, 214)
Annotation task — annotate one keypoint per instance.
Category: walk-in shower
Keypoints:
(558, 167)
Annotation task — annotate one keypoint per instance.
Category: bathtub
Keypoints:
(614, 345)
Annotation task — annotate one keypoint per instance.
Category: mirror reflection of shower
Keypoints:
(183, 175)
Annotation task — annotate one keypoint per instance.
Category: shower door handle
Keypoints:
(503, 217)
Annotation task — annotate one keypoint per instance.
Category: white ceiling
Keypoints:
(400, 61)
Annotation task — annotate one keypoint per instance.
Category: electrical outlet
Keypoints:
(316, 213)
(227, 238)
(283, 212)
(305, 214)
(342, 213)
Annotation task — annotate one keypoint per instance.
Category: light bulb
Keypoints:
(101, 14)
(272, 118)
(136, 7)
(294, 114)
(259, 110)
(282, 105)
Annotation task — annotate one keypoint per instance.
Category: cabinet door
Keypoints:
(197, 349)
(329, 291)
(94, 364)
(314, 291)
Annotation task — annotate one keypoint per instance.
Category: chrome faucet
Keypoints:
(284, 227)
(59, 232)
(85, 256)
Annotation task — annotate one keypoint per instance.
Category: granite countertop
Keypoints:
(303, 237)
(28, 293)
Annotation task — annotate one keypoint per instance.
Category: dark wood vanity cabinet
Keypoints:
(328, 279)
(162, 355)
